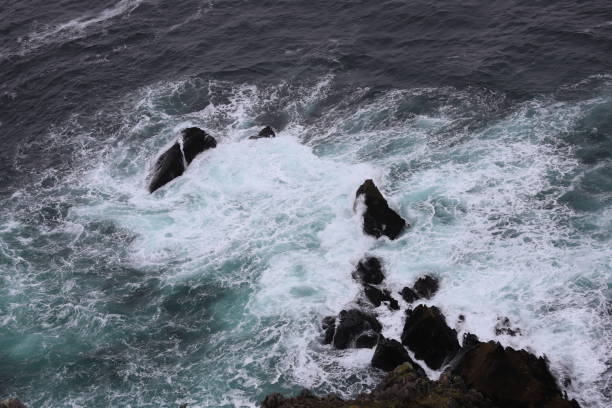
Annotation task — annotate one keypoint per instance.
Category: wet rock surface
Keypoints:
(367, 340)
(504, 327)
(379, 219)
(329, 328)
(266, 132)
(409, 295)
(424, 288)
(171, 164)
(195, 141)
(428, 336)
(167, 167)
(389, 354)
(406, 386)
(11, 403)
(350, 324)
(369, 271)
(377, 297)
(427, 286)
(511, 378)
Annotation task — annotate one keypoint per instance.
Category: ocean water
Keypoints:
(488, 127)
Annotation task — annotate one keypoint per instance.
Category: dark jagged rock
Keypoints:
(367, 340)
(374, 295)
(426, 287)
(195, 141)
(377, 296)
(329, 328)
(167, 167)
(405, 387)
(511, 378)
(389, 354)
(263, 133)
(369, 270)
(275, 400)
(427, 335)
(503, 326)
(393, 304)
(171, 163)
(352, 323)
(469, 340)
(378, 218)
(409, 295)
(11, 403)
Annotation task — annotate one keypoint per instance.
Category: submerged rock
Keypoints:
(504, 326)
(171, 164)
(511, 378)
(389, 354)
(263, 133)
(11, 403)
(378, 218)
(428, 336)
(377, 296)
(369, 270)
(350, 325)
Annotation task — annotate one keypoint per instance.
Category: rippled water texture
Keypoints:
(487, 127)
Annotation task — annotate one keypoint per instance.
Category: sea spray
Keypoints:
(212, 290)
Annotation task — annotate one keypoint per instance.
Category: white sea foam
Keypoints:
(76, 28)
(272, 220)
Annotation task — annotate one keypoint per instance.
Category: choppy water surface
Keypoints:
(487, 127)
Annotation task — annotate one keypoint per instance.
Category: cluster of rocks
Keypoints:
(174, 161)
(476, 374)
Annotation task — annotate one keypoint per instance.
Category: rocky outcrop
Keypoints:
(406, 386)
(368, 339)
(389, 354)
(167, 167)
(264, 133)
(378, 218)
(377, 297)
(511, 378)
(11, 403)
(195, 141)
(369, 271)
(424, 288)
(480, 375)
(428, 336)
(409, 295)
(172, 163)
(329, 328)
(351, 325)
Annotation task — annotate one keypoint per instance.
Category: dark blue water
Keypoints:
(488, 124)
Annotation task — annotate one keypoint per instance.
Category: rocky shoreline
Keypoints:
(475, 374)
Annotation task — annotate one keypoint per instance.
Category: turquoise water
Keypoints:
(211, 290)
